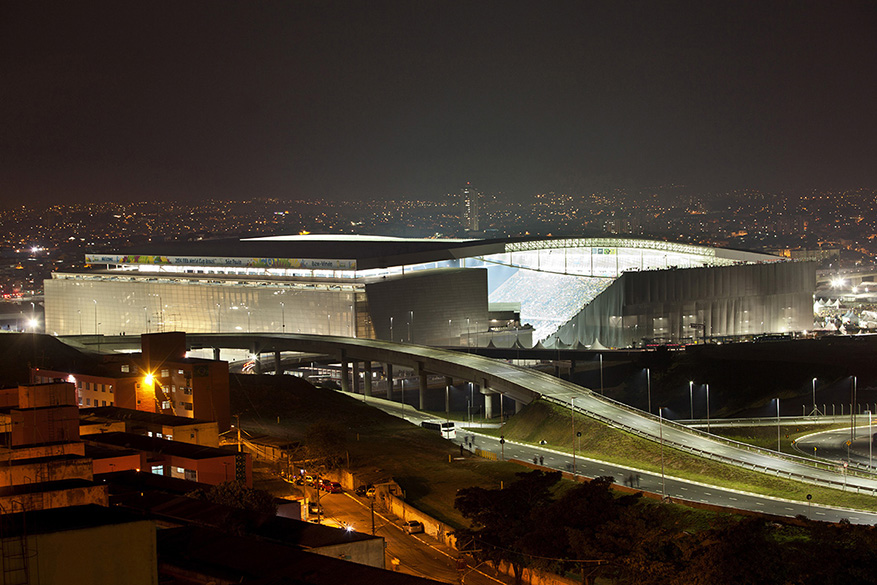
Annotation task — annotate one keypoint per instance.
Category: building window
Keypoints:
(187, 406)
(126, 368)
(158, 469)
(165, 373)
(180, 372)
(165, 404)
(88, 402)
(103, 402)
(103, 387)
(79, 384)
(110, 388)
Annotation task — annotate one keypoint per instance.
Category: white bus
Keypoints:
(447, 429)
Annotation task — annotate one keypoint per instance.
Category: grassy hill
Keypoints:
(545, 421)
(380, 446)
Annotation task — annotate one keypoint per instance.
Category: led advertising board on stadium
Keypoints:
(303, 263)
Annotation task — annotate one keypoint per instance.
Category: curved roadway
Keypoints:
(525, 385)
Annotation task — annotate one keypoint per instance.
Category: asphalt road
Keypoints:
(418, 554)
(832, 445)
(672, 487)
(650, 482)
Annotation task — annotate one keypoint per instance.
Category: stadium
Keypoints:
(569, 292)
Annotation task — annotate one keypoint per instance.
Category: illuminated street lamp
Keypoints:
(778, 425)
(572, 410)
(870, 442)
(661, 426)
(853, 412)
(691, 398)
(601, 374)
(815, 411)
(649, 387)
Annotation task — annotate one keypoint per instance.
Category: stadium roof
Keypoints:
(366, 252)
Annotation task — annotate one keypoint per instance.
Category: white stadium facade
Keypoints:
(571, 292)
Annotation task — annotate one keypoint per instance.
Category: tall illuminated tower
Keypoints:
(471, 200)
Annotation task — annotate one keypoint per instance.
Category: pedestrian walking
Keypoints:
(541, 460)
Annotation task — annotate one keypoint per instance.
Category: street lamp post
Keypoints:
(601, 374)
(649, 387)
(146, 319)
(391, 331)
(870, 440)
(282, 317)
(218, 318)
(572, 410)
(778, 425)
(707, 408)
(410, 319)
(814, 412)
(691, 398)
(449, 333)
(95, 315)
(853, 412)
(661, 424)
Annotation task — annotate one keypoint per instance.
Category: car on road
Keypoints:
(413, 527)
(314, 508)
(333, 487)
(365, 490)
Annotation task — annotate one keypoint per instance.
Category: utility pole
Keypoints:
(238, 427)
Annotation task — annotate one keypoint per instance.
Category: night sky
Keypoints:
(192, 100)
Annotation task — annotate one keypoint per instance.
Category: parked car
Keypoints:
(370, 492)
(413, 526)
(360, 490)
(333, 487)
(314, 508)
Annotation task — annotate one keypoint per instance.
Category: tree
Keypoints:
(503, 519)
(326, 442)
(251, 507)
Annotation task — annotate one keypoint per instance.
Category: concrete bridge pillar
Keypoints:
(389, 381)
(488, 404)
(518, 406)
(421, 383)
(257, 362)
(278, 364)
(345, 373)
(216, 353)
(367, 378)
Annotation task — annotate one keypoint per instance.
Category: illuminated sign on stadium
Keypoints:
(304, 263)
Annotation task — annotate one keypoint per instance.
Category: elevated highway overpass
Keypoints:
(522, 385)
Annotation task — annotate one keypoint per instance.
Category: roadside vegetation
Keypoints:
(543, 421)
(766, 436)
(589, 532)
